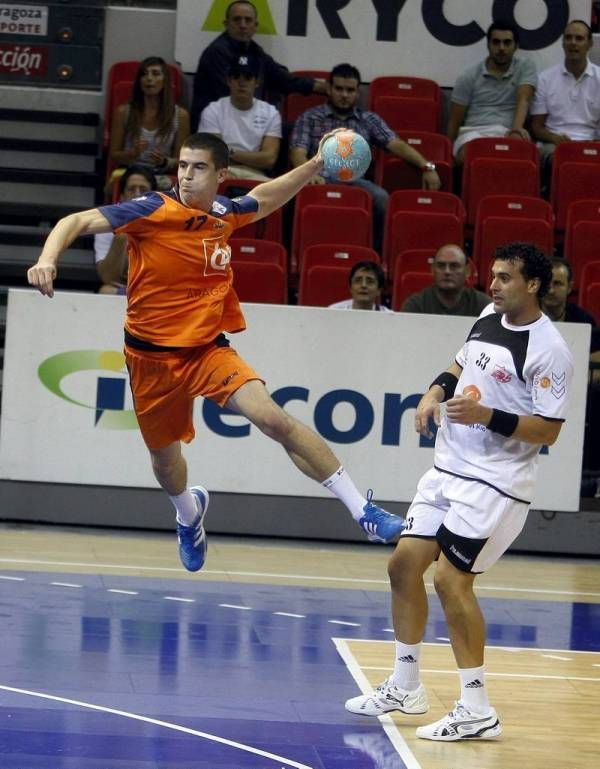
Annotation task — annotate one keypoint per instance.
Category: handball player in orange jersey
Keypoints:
(180, 304)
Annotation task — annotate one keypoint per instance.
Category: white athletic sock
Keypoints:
(342, 485)
(473, 693)
(185, 505)
(406, 666)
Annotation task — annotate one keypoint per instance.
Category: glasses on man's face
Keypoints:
(452, 266)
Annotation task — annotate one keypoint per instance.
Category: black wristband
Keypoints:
(447, 382)
(503, 422)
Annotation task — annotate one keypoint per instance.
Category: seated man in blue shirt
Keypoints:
(341, 111)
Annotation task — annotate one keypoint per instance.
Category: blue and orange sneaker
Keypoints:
(192, 539)
(378, 524)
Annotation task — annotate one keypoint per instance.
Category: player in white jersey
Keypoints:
(503, 398)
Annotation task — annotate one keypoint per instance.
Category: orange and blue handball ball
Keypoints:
(346, 157)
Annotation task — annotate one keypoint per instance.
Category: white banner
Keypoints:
(432, 38)
(23, 20)
(355, 377)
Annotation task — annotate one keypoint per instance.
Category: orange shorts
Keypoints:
(164, 385)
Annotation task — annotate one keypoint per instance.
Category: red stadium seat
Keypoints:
(330, 196)
(331, 224)
(408, 283)
(393, 173)
(484, 170)
(421, 219)
(340, 255)
(591, 300)
(517, 206)
(296, 103)
(503, 176)
(590, 273)
(584, 237)
(495, 231)
(255, 250)
(262, 282)
(408, 114)
(574, 181)
(322, 285)
(402, 86)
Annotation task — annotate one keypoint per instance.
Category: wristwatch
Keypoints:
(429, 166)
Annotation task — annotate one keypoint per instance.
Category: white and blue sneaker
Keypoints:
(462, 724)
(192, 539)
(378, 524)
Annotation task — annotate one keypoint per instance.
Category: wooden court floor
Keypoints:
(548, 696)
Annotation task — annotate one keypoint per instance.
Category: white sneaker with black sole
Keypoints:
(387, 697)
(462, 724)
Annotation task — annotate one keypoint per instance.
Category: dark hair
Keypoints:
(219, 151)
(239, 2)
(558, 261)
(535, 264)
(166, 108)
(345, 70)
(137, 171)
(369, 266)
(502, 25)
(582, 22)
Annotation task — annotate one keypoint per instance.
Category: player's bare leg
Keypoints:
(466, 624)
(170, 470)
(406, 568)
(313, 457)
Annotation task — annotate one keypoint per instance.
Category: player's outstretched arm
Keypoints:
(429, 405)
(43, 274)
(272, 195)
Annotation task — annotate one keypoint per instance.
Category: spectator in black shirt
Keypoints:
(210, 81)
(555, 303)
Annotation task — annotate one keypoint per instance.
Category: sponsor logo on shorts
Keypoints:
(459, 555)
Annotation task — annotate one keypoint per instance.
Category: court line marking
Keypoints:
(488, 674)
(389, 727)
(156, 722)
(487, 648)
(306, 577)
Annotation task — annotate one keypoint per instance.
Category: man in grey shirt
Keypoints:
(449, 294)
(492, 97)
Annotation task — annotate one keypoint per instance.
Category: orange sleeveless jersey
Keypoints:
(179, 286)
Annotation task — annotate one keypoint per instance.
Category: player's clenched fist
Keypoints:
(42, 277)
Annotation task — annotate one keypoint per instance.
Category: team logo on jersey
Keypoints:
(220, 257)
(218, 225)
(218, 208)
(545, 383)
(472, 392)
(501, 375)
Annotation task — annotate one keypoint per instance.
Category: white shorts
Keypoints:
(468, 133)
(472, 522)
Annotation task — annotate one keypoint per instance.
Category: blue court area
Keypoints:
(132, 673)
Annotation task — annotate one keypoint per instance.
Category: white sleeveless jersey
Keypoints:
(525, 370)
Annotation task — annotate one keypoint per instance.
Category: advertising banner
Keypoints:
(354, 377)
(430, 38)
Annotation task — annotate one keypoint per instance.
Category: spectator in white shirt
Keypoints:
(366, 284)
(567, 102)
(250, 127)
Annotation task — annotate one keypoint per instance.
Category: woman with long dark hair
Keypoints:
(150, 128)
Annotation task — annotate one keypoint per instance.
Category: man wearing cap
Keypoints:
(250, 127)
(210, 80)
